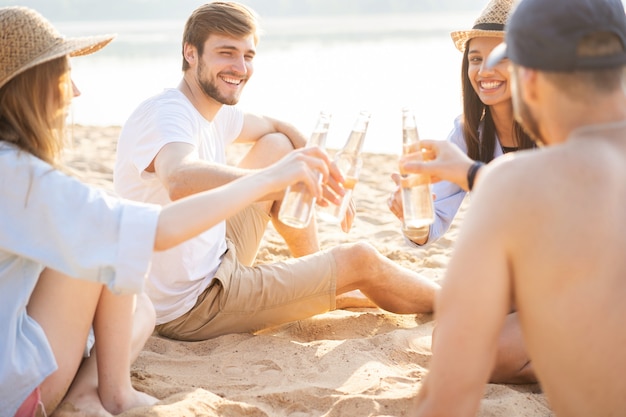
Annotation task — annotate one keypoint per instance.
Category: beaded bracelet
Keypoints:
(471, 173)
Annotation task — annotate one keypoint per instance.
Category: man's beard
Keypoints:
(523, 114)
(210, 88)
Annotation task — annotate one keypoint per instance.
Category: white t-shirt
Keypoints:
(180, 274)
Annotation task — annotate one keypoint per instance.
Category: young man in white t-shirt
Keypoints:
(174, 144)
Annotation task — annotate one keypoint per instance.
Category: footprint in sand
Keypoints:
(267, 368)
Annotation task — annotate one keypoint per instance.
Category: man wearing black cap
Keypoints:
(548, 227)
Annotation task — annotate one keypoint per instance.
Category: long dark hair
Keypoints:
(481, 146)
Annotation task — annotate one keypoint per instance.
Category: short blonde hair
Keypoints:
(222, 18)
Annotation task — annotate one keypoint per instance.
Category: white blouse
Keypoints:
(49, 219)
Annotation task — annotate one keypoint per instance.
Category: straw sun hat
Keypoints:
(490, 23)
(27, 39)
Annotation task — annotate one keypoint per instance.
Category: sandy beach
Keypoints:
(356, 362)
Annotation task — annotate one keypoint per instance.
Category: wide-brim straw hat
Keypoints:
(490, 23)
(27, 39)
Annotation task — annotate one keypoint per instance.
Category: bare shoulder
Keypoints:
(553, 171)
(524, 193)
(510, 179)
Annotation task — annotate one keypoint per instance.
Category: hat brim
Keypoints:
(65, 46)
(89, 45)
(498, 53)
(461, 37)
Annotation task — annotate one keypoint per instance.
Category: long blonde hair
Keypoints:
(33, 107)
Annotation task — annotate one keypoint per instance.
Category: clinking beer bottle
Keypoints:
(417, 199)
(298, 204)
(349, 162)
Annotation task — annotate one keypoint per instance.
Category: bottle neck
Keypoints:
(320, 132)
(354, 144)
(410, 136)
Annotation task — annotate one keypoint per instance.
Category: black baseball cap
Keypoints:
(544, 34)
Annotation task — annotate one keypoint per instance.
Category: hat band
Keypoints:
(489, 26)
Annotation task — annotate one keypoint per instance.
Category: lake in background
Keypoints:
(303, 65)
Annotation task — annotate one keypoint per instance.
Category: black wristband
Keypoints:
(471, 174)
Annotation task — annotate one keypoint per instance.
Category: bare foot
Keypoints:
(88, 404)
(127, 400)
(354, 299)
(67, 409)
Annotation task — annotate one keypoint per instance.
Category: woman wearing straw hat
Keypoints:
(54, 228)
(485, 130)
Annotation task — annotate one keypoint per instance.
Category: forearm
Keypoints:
(190, 216)
(442, 161)
(201, 176)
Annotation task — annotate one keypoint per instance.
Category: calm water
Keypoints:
(303, 65)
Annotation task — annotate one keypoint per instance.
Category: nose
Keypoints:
(483, 68)
(75, 90)
(240, 66)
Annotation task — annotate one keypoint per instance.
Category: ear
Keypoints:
(190, 53)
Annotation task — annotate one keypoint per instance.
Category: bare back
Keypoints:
(567, 251)
(545, 235)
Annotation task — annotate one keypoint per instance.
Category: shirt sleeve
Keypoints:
(229, 120)
(159, 122)
(66, 225)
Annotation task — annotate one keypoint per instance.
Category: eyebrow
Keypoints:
(234, 48)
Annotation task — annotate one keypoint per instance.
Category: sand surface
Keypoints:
(357, 362)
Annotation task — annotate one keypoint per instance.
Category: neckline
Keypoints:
(507, 149)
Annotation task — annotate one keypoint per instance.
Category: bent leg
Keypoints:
(387, 284)
(64, 308)
(266, 151)
(93, 393)
(512, 363)
(118, 342)
(244, 299)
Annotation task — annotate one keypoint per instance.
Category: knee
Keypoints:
(266, 150)
(277, 142)
(358, 255)
(145, 314)
(512, 365)
(363, 251)
(513, 370)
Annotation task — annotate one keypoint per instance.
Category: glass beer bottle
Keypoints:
(349, 161)
(417, 199)
(298, 204)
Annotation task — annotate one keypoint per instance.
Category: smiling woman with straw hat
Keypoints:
(28, 40)
(485, 130)
(54, 229)
(46, 315)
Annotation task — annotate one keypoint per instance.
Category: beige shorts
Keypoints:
(243, 298)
